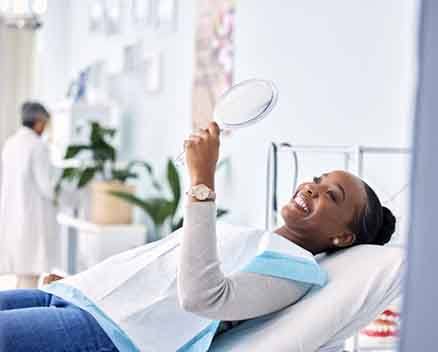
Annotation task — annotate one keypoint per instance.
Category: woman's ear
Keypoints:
(345, 239)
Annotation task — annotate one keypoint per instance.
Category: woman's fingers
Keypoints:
(203, 134)
(213, 129)
(195, 138)
(202, 150)
(192, 141)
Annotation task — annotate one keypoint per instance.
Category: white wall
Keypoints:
(345, 70)
(152, 123)
(53, 48)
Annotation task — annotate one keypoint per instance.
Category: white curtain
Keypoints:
(17, 76)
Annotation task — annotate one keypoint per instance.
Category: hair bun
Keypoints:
(387, 228)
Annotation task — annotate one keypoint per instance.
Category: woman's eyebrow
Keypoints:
(339, 186)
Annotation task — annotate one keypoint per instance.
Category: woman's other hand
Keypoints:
(51, 278)
(202, 152)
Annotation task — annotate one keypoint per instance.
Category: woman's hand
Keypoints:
(51, 278)
(202, 152)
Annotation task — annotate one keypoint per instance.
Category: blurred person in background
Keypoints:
(28, 229)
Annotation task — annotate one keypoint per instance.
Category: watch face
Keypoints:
(201, 192)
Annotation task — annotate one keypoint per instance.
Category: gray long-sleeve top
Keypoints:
(203, 288)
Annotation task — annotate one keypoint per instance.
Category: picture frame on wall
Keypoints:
(96, 16)
(113, 16)
(166, 15)
(142, 11)
(132, 56)
(152, 72)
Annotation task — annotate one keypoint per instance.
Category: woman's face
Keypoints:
(323, 209)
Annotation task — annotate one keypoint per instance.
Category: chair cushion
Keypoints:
(363, 281)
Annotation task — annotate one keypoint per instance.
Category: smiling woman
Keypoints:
(336, 210)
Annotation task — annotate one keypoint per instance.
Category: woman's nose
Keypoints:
(310, 191)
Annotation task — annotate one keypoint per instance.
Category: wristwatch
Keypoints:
(201, 192)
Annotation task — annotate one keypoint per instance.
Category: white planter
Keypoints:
(105, 209)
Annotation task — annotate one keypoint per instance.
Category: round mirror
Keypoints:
(242, 105)
(245, 103)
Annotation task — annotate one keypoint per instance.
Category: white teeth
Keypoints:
(299, 200)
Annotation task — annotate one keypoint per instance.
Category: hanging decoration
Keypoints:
(214, 56)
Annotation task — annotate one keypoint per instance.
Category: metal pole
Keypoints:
(346, 161)
(271, 187)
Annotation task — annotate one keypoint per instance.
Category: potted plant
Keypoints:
(162, 208)
(103, 175)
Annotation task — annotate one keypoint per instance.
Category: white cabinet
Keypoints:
(88, 244)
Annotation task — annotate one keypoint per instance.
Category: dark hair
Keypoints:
(30, 111)
(376, 223)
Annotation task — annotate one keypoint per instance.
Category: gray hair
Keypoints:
(31, 111)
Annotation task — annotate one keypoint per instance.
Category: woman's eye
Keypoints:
(332, 196)
(316, 180)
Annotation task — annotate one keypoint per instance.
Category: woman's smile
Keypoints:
(301, 203)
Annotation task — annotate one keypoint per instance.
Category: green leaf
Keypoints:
(145, 164)
(175, 184)
(178, 224)
(149, 170)
(122, 175)
(166, 210)
(69, 173)
(98, 132)
(85, 176)
(106, 131)
(103, 151)
(221, 212)
(57, 192)
(73, 150)
(128, 197)
(96, 135)
(159, 209)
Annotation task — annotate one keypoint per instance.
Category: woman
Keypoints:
(205, 283)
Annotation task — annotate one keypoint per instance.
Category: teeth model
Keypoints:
(385, 328)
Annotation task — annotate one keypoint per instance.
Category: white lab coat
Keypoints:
(29, 242)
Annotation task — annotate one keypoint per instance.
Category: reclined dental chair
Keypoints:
(363, 281)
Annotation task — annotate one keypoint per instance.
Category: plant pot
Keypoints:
(106, 209)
